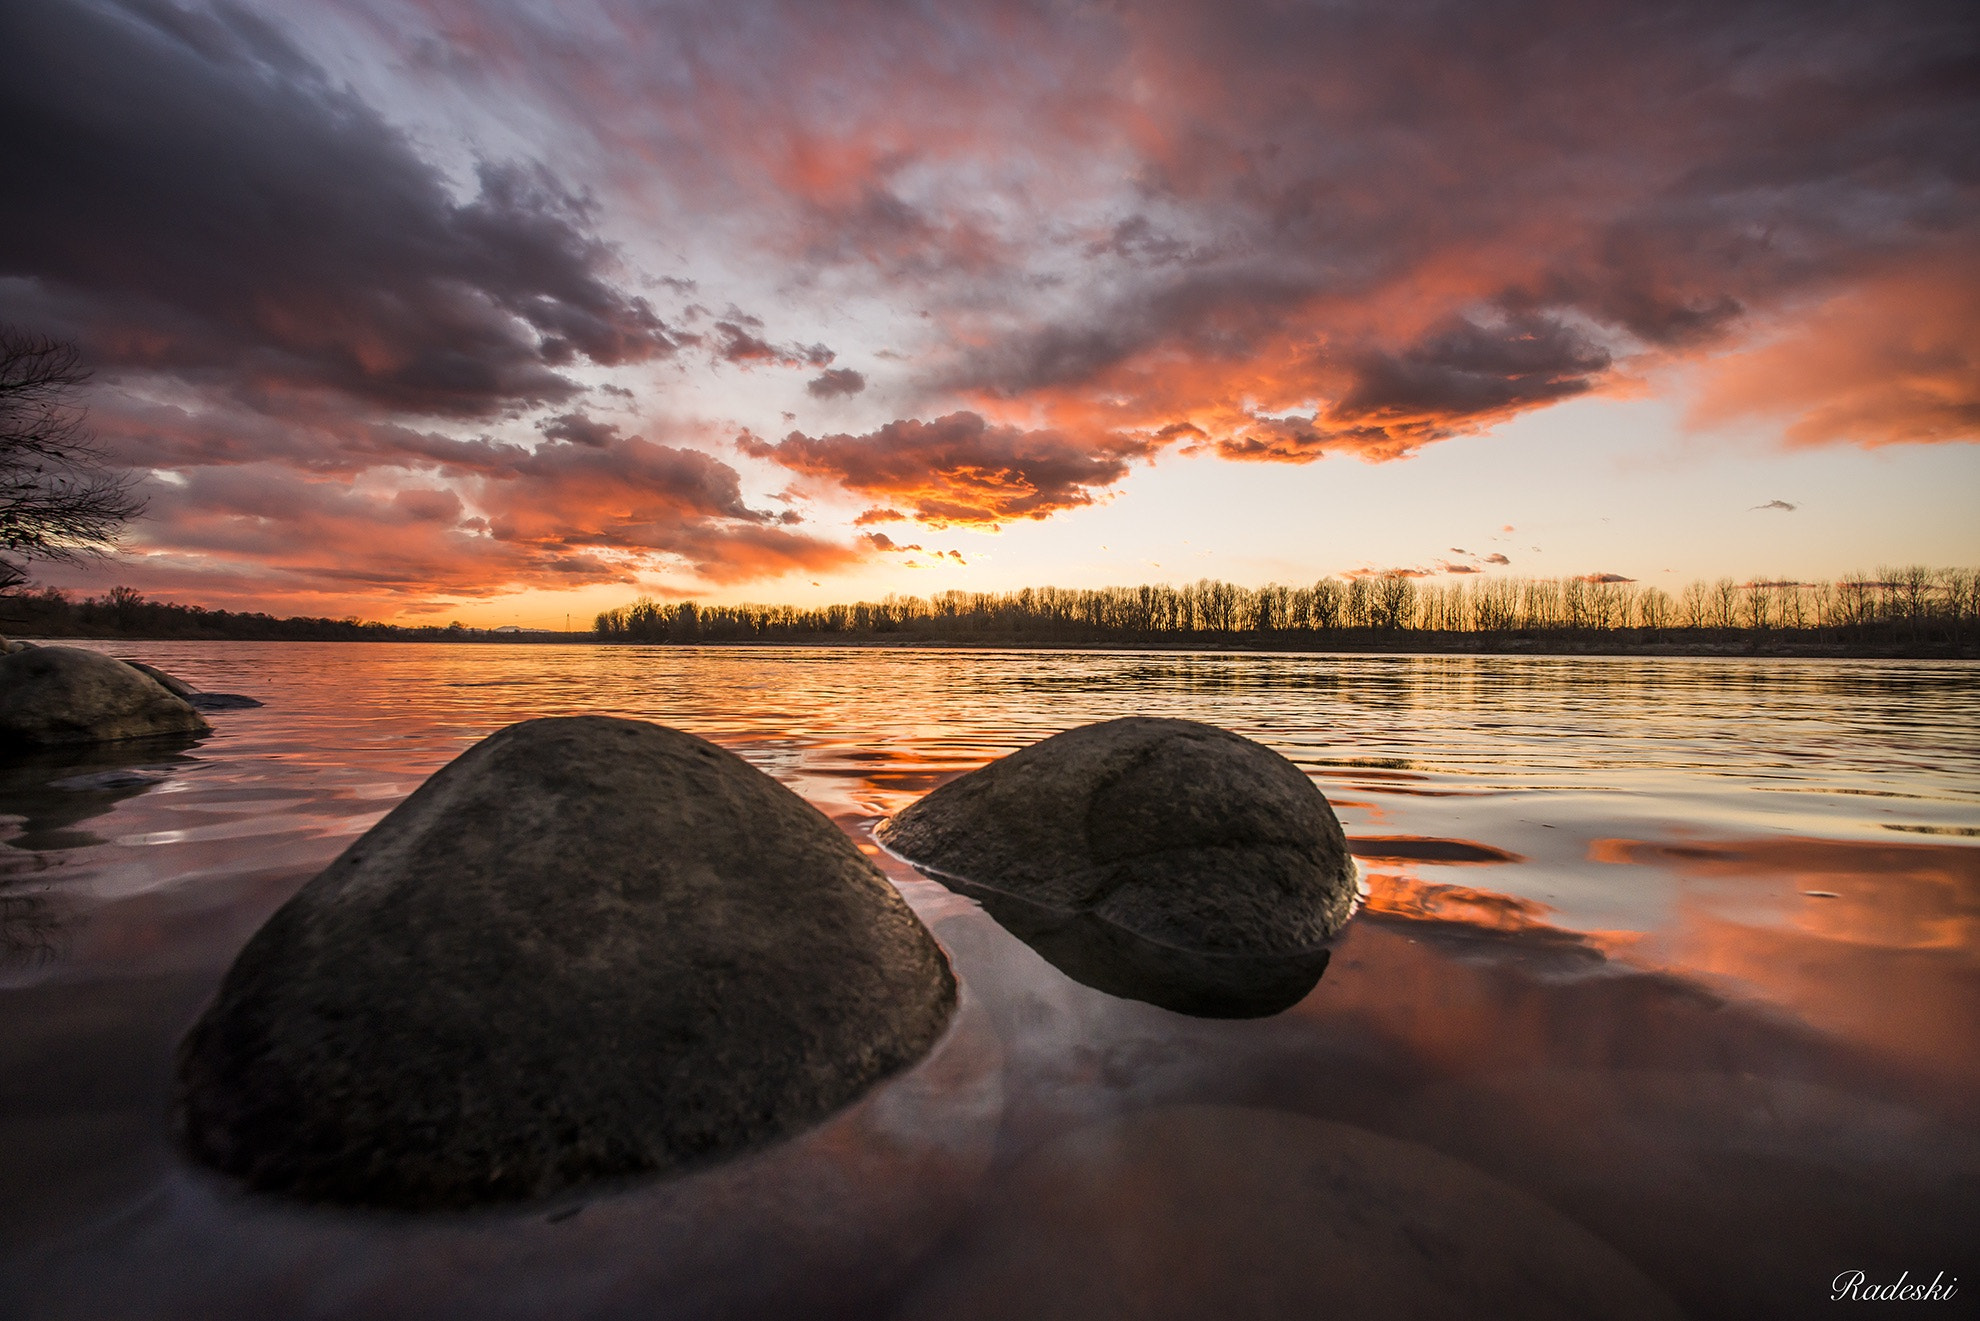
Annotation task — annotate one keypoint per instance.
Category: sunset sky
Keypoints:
(497, 311)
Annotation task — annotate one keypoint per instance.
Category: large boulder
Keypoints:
(54, 696)
(586, 948)
(1178, 832)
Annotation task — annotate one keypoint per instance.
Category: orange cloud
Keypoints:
(958, 470)
(1890, 361)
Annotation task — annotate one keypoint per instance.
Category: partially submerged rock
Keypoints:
(191, 696)
(55, 696)
(586, 948)
(1177, 832)
(1214, 1211)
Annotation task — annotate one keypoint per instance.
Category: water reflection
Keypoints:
(1589, 967)
(49, 793)
(1109, 958)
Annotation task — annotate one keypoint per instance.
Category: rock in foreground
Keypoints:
(586, 948)
(56, 696)
(1178, 832)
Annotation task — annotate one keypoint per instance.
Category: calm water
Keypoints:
(1686, 950)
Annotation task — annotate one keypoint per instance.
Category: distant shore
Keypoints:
(1770, 644)
(1914, 613)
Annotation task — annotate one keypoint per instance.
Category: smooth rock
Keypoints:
(1219, 1211)
(52, 696)
(586, 948)
(1178, 832)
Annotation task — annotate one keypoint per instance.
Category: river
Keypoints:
(1686, 950)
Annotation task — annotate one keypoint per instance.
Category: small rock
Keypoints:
(221, 702)
(1178, 832)
(193, 697)
(179, 688)
(51, 696)
(586, 948)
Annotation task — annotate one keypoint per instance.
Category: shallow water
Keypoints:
(1686, 951)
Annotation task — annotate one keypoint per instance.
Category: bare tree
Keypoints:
(59, 498)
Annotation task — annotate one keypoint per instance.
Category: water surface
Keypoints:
(1687, 950)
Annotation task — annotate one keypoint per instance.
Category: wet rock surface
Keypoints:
(587, 948)
(1180, 833)
(59, 696)
(1196, 1212)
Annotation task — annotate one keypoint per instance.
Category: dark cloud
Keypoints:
(1136, 240)
(1784, 506)
(1496, 558)
(1605, 578)
(958, 469)
(579, 430)
(836, 383)
(191, 193)
(736, 341)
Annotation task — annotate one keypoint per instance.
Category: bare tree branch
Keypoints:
(59, 497)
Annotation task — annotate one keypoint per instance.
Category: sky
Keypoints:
(509, 312)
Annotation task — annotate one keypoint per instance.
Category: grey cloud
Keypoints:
(197, 196)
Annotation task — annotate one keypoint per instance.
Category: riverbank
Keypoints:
(1732, 643)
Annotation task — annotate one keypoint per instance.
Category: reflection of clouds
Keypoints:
(1400, 894)
(1890, 964)
(1887, 896)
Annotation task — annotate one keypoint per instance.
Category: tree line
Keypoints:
(126, 612)
(1909, 606)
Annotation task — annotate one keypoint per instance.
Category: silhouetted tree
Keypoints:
(59, 499)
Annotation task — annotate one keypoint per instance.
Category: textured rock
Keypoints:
(52, 696)
(1198, 1212)
(1178, 832)
(586, 948)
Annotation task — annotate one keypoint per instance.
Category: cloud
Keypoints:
(738, 342)
(395, 518)
(1891, 360)
(1604, 578)
(191, 193)
(1251, 230)
(1783, 505)
(958, 470)
(1496, 558)
(833, 384)
(579, 430)
(882, 542)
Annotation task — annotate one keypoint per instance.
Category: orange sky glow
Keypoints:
(422, 310)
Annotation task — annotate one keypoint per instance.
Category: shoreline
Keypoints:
(1402, 644)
